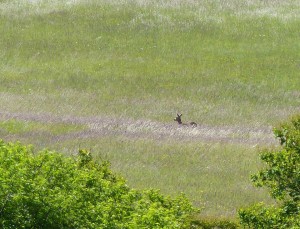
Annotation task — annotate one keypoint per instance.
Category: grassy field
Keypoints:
(220, 63)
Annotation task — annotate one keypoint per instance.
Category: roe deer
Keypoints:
(178, 119)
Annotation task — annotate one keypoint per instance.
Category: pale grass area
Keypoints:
(206, 10)
(146, 129)
(222, 115)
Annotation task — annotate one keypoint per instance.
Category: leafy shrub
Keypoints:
(49, 190)
(213, 223)
(282, 177)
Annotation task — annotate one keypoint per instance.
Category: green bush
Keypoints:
(282, 177)
(213, 223)
(49, 190)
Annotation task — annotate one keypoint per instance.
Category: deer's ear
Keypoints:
(180, 115)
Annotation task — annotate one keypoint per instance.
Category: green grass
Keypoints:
(41, 135)
(213, 176)
(13, 126)
(217, 62)
(124, 60)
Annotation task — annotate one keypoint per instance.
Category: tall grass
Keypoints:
(125, 58)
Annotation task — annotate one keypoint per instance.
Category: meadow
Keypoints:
(220, 63)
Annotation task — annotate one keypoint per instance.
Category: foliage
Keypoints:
(282, 178)
(49, 190)
(211, 223)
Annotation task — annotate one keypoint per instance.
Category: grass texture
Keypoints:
(216, 65)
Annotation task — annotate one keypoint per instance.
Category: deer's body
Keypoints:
(178, 119)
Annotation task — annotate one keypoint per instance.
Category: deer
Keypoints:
(178, 119)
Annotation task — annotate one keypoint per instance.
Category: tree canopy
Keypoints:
(50, 190)
(282, 178)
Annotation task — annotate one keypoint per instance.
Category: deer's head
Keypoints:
(178, 118)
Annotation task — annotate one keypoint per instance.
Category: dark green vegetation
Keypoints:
(282, 177)
(49, 190)
(213, 223)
